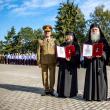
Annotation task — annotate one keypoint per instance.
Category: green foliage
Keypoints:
(10, 35)
(24, 41)
(1, 46)
(69, 18)
(9, 41)
(26, 34)
(38, 34)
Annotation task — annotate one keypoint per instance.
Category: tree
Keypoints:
(102, 17)
(38, 34)
(69, 18)
(10, 35)
(1, 46)
(26, 33)
(8, 43)
(28, 39)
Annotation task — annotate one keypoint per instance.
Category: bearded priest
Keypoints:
(96, 85)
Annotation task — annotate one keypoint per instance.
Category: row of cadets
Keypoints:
(21, 59)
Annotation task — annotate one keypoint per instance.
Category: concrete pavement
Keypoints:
(21, 88)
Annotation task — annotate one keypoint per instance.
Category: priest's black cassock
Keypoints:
(67, 76)
(96, 85)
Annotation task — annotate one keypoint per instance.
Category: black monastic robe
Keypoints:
(96, 86)
(67, 76)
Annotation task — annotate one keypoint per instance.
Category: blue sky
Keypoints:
(36, 13)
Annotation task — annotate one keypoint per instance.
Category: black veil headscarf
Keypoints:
(72, 34)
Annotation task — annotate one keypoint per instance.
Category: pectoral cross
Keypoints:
(97, 49)
(69, 52)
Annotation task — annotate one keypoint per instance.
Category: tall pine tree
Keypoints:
(69, 18)
(10, 35)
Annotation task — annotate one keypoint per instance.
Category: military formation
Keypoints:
(19, 58)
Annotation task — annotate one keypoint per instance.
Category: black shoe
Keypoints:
(52, 93)
(45, 93)
(62, 96)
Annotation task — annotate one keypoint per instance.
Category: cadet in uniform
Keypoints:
(46, 59)
(12, 58)
(17, 58)
(34, 59)
(0, 58)
(30, 58)
(9, 58)
(5, 56)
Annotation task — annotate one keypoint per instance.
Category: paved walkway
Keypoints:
(21, 88)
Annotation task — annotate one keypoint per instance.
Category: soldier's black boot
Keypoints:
(52, 92)
(43, 94)
(46, 92)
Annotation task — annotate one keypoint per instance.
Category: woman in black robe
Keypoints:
(96, 85)
(67, 76)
